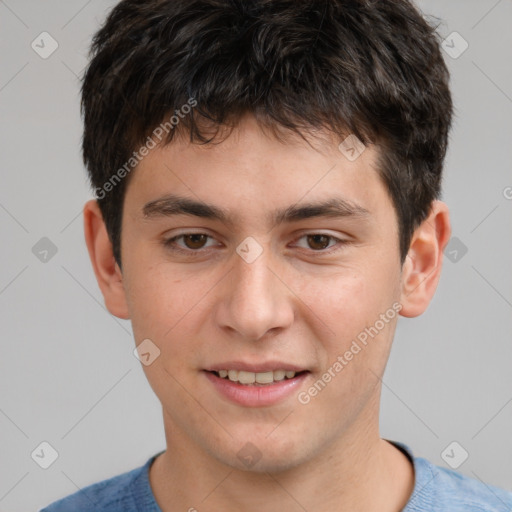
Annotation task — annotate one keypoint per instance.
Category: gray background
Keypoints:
(67, 372)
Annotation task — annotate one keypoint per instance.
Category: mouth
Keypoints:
(256, 388)
(266, 378)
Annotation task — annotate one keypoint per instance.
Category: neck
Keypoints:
(358, 472)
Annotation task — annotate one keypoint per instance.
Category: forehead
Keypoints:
(251, 170)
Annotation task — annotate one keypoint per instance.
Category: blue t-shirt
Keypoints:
(436, 489)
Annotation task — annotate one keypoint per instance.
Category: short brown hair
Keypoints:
(372, 68)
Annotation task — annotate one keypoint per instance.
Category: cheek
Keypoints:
(158, 300)
(343, 301)
(351, 305)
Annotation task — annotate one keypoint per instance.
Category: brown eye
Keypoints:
(195, 241)
(318, 242)
(189, 243)
(321, 243)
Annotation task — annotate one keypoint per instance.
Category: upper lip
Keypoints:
(267, 366)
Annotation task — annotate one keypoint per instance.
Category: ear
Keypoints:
(422, 266)
(107, 271)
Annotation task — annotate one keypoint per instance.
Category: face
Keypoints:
(259, 283)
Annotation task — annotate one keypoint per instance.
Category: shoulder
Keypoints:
(440, 489)
(126, 492)
(468, 494)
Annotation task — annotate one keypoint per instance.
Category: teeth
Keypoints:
(244, 377)
(279, 374)
(264, 378)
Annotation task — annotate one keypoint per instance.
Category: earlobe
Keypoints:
(422, 267)
(108, 273)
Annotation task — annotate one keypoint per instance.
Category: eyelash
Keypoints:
(171, 244)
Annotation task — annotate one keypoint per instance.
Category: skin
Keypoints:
(291, 304)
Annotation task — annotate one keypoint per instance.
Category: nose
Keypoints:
(255, 301)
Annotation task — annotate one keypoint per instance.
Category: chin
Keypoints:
(267, 464)
(264, 455)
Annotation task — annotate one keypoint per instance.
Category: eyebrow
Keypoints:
(171, 205)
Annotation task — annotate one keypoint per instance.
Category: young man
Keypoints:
(267, 175)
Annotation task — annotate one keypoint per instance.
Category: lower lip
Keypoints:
(256, 396)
